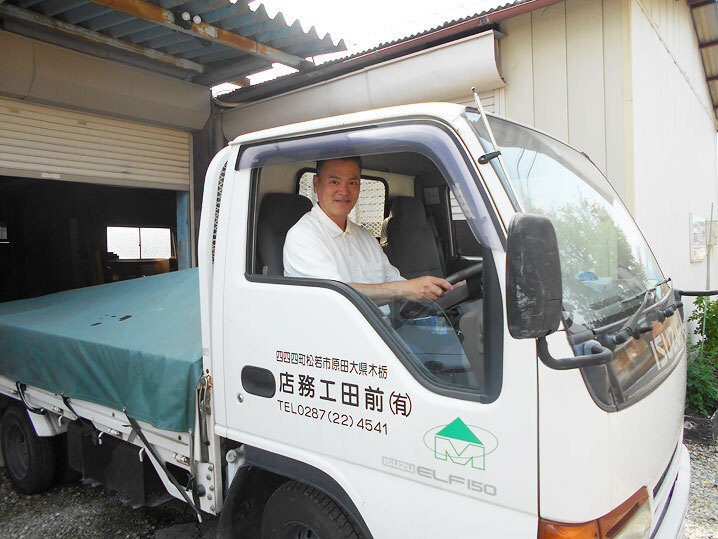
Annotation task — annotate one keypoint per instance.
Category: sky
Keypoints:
(359, 24)
(366, 24)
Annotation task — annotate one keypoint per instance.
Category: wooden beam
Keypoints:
(96, 37)
(215, 75)
(165, 17)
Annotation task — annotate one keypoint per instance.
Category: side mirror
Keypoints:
(533, 277)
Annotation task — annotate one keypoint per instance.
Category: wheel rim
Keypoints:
(298, 530)
(17, 451)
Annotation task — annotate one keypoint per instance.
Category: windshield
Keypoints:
(607, 269)
(605, 261)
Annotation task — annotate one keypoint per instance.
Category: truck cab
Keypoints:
(543, 396)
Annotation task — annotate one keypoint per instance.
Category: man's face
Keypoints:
(337, 189)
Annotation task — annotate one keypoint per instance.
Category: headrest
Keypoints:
(282, 210)
(407, 212)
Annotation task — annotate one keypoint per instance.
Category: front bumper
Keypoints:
(672, 501)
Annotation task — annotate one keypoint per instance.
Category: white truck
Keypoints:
(543, 397)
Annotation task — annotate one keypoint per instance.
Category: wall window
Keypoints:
(135, 243)
(369, 210)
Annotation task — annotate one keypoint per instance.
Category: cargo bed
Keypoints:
(133, 344)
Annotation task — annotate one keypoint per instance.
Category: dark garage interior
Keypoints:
(53, 234)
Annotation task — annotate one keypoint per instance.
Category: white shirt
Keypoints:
(316, 247)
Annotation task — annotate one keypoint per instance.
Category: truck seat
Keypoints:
(278, 213)
(408, 240)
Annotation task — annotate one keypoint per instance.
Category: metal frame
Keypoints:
(95, 37)
(165, 17)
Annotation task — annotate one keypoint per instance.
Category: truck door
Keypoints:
(424, 413)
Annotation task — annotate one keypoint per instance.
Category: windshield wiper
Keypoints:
(649, 289)
(631, 328)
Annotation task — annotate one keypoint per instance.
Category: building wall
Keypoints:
(50, 75)
(674, 142)
(622, 81)
(562, 67)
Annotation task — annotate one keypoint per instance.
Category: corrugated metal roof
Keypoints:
(705, 21)
(230, 42)
(448, 31)
(433, 29)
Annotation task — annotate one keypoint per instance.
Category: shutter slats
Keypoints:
(40, 139)
(62, 115)
(32, 134)
(73, 150)
(115, 178)
(49, 164)
(90, 133)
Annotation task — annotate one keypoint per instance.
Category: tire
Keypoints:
(29, 459)
(297, 511)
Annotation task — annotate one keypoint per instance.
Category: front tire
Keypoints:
(297, 511)
(29, 458)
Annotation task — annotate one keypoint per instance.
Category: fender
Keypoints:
(47, 424)
(291, 469)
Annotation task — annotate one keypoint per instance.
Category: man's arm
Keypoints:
(427, 285)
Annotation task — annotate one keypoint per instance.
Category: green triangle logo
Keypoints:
(458, 430)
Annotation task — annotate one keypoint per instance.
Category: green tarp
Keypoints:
(133, 344)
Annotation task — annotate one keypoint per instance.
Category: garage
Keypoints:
(107, 126)
(103, 199)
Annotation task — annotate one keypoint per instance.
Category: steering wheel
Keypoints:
(466, 273)
(460, 293)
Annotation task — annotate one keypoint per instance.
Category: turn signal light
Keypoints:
(630, 520)
(555, 530)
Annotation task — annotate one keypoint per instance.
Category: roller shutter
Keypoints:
(38, 141)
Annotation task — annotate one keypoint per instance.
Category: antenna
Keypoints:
(486, 121)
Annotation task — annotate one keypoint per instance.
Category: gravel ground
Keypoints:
(702, 517)
(83, 511)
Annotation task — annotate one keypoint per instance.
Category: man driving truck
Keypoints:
(325, 244)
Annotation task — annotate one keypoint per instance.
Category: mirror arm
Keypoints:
(697, 292)
(599, 355)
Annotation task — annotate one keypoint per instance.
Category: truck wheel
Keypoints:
(297, 511)
(29, 459)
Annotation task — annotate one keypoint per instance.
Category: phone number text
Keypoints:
(337, 418)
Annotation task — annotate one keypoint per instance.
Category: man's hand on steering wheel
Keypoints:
(427, 285)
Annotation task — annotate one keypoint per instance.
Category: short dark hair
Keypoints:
(354, 158)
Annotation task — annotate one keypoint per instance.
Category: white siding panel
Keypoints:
(563, 66)
(584, 59)
(517, 68)
(549, 68)
(46, 142)
(614, 97)
(674, 153)
(671, 22)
